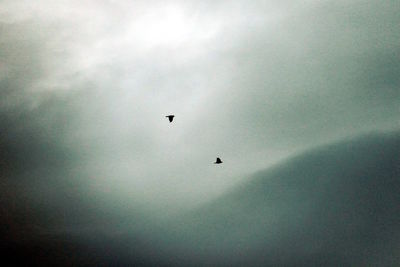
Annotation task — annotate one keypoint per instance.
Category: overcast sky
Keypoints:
(249, 81)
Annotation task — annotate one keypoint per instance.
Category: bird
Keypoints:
(170, 117)
(218, 161)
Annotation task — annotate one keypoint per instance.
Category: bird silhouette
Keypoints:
(170, 117)
(218, 161)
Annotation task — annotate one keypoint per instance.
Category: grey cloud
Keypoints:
(337, 204)
(259, 90)
(324, 71)
(83, 100)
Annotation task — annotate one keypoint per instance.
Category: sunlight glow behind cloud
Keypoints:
(249, 82)
(168, 25)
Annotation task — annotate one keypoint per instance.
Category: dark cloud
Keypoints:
(85, 151)
(338, 204)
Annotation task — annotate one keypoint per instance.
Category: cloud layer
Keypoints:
(87, 84)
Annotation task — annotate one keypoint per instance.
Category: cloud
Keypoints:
(311, 77)
(87, 150)
(249, 82)
(332, 205)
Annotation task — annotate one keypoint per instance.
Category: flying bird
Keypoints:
(170, 117)
(218, 161)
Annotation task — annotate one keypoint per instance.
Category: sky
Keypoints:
(85, 87)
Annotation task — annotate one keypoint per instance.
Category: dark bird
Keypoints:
(218, 161)
(170, 117)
